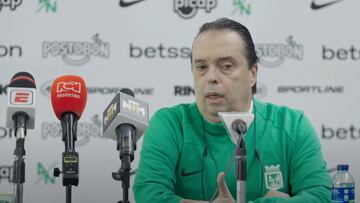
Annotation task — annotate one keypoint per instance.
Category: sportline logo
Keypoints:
(21, 97)
(68, 86)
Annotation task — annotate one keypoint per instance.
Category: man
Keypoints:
(186, 148)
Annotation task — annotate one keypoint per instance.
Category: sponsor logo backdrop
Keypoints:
(309, 60)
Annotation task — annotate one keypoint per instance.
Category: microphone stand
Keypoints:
(240, 157)
(126, 145)
(19, 152)
(70, 158)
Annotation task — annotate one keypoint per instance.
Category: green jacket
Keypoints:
(182, 154)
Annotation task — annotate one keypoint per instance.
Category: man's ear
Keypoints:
(253, 74)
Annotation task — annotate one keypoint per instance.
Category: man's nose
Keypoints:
(213, 75)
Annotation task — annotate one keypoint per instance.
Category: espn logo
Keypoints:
(21, 97)
(68, 86)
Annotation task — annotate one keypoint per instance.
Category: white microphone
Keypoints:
(125, 109)
(20, 112)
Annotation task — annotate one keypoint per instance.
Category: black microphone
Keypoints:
(239, 126)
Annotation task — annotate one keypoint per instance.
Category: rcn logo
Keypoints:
(187, 9)
(21, 97)
(68, 86)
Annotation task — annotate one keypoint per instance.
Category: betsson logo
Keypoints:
(340, 133)
(343, 54)
(160, 51)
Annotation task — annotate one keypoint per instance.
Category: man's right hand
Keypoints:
(224, 195)
(274, 193)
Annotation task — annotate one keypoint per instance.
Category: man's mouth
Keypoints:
(214, 97)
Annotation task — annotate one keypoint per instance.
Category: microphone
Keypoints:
(125, 109)
(21, 104)
(239, 126)
(68, 99)
(20, 115)
(125, 120)
(236, 123)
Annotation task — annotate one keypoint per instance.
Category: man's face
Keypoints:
(222, 78)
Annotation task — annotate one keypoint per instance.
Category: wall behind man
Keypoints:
(309, 61)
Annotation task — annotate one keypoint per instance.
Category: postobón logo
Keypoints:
(6, 173)
(85, 130)
(242, 7)
(10, 51)
(273, 55)
(188, 8)
(352, 53)
(45, 173)
(12, 4)
(183, 90)
(75, 52)
(45, 90)
(341, 133)
(21, 97)
(161, 52)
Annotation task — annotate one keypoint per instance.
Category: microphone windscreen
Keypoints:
(127, 91)
(22, 79)
(68, 94)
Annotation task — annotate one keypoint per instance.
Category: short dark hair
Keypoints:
(242, 31)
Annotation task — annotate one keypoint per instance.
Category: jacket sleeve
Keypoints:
(155, 177)
(309, 179)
